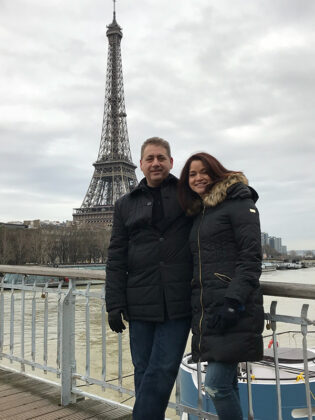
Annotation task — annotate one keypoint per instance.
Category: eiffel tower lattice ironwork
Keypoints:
(114, 173)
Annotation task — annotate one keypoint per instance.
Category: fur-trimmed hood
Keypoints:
(219, 191)
(233, 186)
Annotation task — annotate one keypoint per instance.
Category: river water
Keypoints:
(285, 306)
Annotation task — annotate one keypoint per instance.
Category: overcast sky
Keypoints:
(232, 78)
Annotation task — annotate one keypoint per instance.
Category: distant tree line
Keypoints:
(70, 245)
(53, 245)
(271, 252)
(292, 255)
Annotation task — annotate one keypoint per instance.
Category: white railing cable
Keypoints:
(12, 321)
(120, 350)
(33, 351)
(22, 324)
(59, 328)
(45, 352)
(199, 388)
(273, 307)
(1, 317)
(68, 347)
(87, 331)
(305, 358)
(104, 323)
(179, 412)
(249, 392)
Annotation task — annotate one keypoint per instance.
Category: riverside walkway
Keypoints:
(62, 331)
(23, 398)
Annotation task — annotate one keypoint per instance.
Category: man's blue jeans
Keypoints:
(156, 349)
(221, 385)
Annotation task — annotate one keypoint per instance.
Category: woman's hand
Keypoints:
(227, 315)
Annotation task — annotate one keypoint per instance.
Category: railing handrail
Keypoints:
(269, 288)
(290, 290)
(65, 325)
(73, 273)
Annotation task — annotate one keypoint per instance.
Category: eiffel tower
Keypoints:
(114, 173)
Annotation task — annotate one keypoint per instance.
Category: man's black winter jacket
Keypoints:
(149, 271)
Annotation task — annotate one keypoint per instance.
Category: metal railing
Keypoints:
(52, 330)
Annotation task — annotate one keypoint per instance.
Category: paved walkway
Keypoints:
(23, 398)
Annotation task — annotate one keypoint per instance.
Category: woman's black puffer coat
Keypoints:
(226, 244)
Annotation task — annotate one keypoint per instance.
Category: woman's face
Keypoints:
(198, 179)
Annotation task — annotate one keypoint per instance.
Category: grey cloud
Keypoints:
(211, 76)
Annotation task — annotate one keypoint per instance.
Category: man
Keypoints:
(148, 278)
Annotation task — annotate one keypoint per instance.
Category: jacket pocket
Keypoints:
(226, 279)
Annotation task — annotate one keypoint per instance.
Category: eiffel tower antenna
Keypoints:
(114, 173)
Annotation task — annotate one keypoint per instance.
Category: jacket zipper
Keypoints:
(200, 280)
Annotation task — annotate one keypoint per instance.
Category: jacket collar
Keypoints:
(233, 186)
(219, 191)
(143, 186)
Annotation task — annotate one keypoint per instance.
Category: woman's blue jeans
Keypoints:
(156, 349)
(221, 385)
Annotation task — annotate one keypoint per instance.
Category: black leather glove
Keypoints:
(115, 320)
(227, 316)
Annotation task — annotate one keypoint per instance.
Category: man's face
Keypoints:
(155, 164)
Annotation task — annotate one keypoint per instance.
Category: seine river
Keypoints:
(285, 306)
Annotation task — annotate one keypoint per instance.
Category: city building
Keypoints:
(264, 239)
(273, 242)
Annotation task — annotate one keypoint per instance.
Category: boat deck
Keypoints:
(23, 398)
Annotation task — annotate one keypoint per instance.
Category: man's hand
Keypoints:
(115, 320)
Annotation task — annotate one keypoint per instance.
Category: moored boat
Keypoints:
(265, 267)
(263, 382)
(295, 266)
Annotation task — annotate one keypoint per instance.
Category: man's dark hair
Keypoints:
(156, 141)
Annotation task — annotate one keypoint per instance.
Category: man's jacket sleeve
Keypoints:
(116, 267)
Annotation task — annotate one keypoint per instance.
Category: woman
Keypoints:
(227, 305)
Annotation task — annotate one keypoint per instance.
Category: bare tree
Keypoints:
(54, 245)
